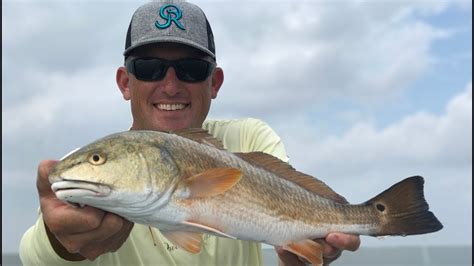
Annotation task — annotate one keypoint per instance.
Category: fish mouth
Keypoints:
(71, 190)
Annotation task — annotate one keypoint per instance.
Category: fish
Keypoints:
(186, 184)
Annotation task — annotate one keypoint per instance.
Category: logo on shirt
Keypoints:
(172, 14)
(170, 247)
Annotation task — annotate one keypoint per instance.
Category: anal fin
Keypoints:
(307, 249)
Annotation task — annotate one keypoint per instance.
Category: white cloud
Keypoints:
(419, 139)
(310, 55)
(65, 99)
(63, 36)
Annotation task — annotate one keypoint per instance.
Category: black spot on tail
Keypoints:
(403, 209)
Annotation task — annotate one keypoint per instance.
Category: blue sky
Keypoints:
(362, 93)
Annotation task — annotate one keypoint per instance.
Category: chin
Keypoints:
(171, 126)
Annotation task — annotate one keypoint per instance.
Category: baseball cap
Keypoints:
(174, 21)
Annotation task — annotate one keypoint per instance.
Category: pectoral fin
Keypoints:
(189, 241)
(307, 249)
(212, 182)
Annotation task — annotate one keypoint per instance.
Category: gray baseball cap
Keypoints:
(175, 21)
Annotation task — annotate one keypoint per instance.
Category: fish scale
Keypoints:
(277, 196)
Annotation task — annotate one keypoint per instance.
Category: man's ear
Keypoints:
(217, 80)
(122, 79)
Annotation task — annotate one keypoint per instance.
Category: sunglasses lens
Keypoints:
(192, 70)
(149, 69)
(153, 69)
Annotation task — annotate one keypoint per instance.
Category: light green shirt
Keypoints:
(239, 135)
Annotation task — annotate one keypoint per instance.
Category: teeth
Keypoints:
(171, 107)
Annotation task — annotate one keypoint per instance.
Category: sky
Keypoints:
(362, 93)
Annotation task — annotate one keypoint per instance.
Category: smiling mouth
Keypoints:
(170, 107)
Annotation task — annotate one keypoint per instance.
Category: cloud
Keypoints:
(378, 50)
(65, 99)
(420, 139)
(310, 56)
(71, 110)
(282, 60)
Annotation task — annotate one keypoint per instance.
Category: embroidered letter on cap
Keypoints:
(173, 14)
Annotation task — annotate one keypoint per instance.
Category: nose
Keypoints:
(170, 84)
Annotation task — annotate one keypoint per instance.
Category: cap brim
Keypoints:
(170, 39)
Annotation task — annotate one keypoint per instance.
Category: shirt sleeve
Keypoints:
(259, 136)
(35, 248)
(247, 135)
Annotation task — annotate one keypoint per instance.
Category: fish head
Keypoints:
(112, 173)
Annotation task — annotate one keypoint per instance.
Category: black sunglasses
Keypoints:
(154, 69)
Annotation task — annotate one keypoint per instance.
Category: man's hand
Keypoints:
(78, 233)
(333, 245)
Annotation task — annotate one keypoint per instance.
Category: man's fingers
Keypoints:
(122, 235)
(110, 225)
(96, 241)
(59, 216)
(42, 182)
(112, 244)
(62, 218)
(343, 241)
(88, 231)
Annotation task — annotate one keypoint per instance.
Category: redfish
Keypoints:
(186, 184)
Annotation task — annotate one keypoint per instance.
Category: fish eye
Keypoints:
(97, 158)
(380, 207)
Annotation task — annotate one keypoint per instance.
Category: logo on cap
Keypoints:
(173, 14)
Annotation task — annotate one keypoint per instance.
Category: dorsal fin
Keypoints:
(286, 171)
(199, 135)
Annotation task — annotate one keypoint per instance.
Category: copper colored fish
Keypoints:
(185, 184)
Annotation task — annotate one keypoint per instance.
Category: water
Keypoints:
(397, 256)
(393, 256)
(10, 259)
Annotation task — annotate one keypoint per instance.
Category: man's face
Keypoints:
(170, 103)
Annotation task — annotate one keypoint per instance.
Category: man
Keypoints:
(170, 77)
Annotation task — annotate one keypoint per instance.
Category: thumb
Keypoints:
(42, 182)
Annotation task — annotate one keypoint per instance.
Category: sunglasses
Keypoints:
(154, 69)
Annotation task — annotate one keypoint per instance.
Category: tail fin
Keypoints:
(403, 209)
